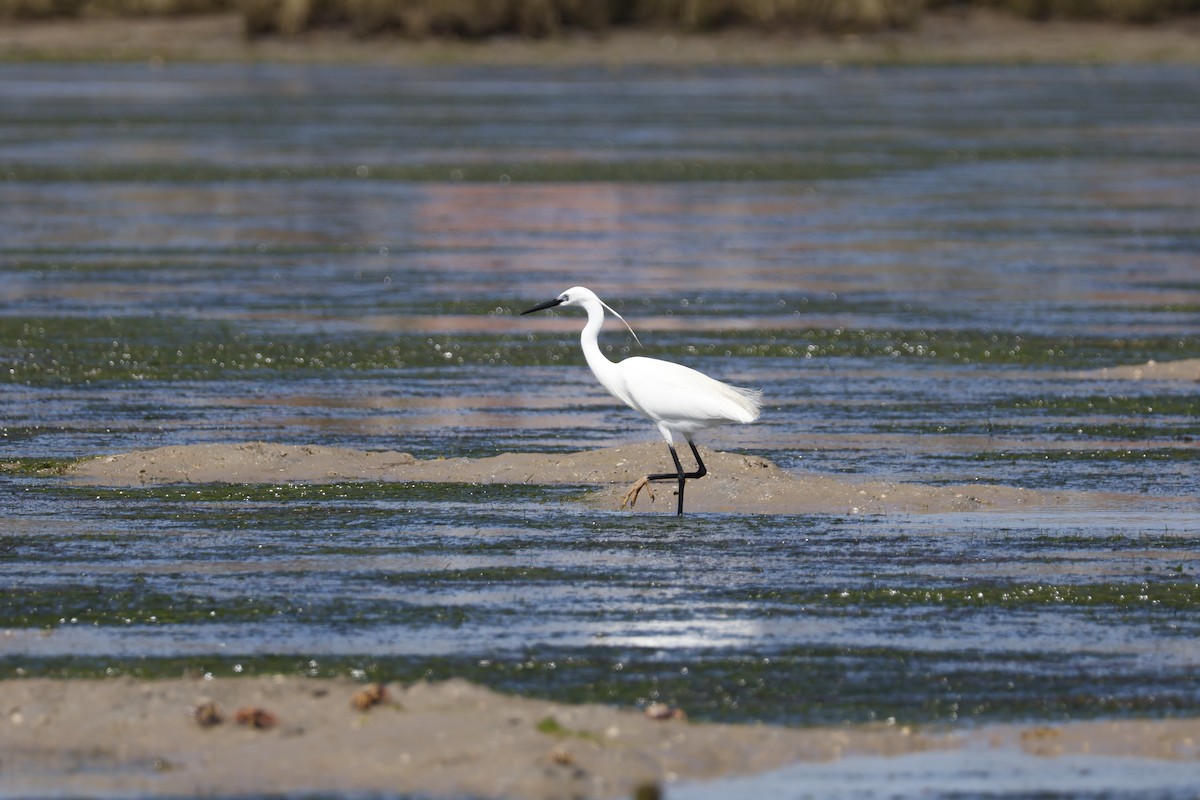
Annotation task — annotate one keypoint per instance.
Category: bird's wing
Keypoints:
(663, 390)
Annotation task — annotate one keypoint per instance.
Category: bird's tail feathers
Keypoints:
(750, 400)
(740, 404)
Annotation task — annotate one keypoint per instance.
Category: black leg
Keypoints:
(701, 470)
(679, 474)
(682, 477)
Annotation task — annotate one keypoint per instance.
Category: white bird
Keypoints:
(680, 400)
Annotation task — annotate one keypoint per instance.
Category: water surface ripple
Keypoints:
(916, 265)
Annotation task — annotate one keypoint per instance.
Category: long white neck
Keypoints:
(605, 371)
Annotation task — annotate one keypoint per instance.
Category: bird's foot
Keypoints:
(632, 495)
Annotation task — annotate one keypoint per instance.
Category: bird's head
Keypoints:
(584, 298)
(579, 296)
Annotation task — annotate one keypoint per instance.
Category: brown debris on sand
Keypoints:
(255, 717)
(374, 695)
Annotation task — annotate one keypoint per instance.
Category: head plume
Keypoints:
(626, 324)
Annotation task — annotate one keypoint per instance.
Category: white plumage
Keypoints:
(680, 400)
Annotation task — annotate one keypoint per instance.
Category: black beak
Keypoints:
(548, 304)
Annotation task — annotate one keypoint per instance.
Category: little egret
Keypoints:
(680, 400)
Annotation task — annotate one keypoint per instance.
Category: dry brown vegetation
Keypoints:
(475, 19)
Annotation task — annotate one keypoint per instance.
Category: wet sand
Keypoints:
(123, 736)
(735, 483)
(1184, 369)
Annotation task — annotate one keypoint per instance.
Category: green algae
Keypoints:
(36, 466)
(552, 727)
(1112, 455)
(321, 495)
(66, 605)
(1175, 595)
(1163, 419)
(1126, 405)
(798, 686)
(68, 350)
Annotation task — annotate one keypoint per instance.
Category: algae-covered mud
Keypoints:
(968, 283)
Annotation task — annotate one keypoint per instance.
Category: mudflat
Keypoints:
(199, 737)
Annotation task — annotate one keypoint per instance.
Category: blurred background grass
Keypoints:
(473, 19)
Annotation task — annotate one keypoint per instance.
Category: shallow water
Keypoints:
(913, 264)
(993, 773)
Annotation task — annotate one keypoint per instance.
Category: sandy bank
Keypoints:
(949, 37)
(1187, 369)
(452, 738)
(736, 483)
(124, 736)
